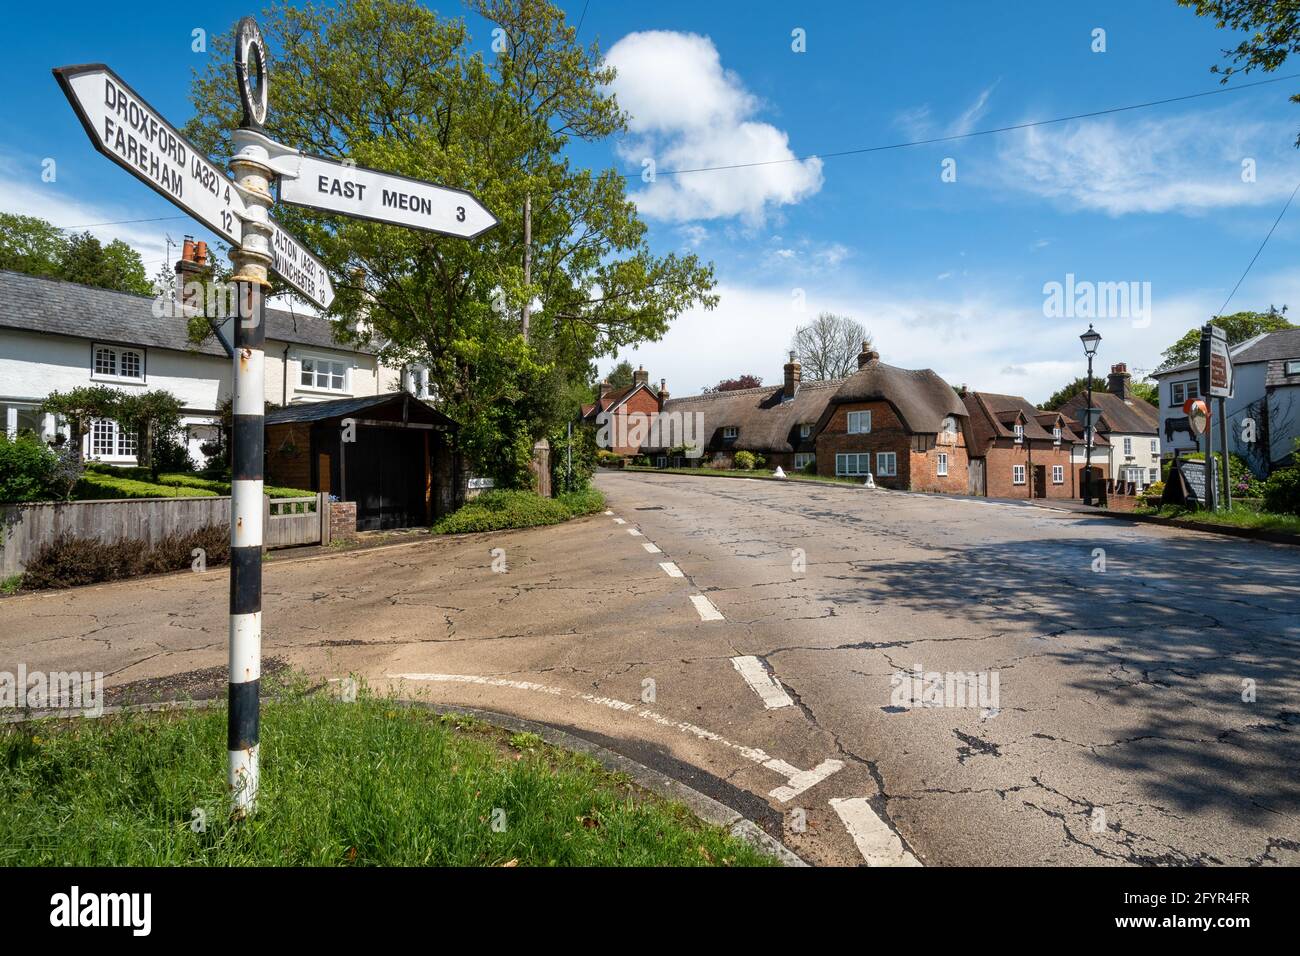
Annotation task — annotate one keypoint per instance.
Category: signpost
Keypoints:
(123, 127)
(1217, 382)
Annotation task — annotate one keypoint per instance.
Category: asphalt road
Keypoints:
(762, 664)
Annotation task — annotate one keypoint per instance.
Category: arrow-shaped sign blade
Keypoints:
(384, 197)
(131, 133)
(295, 264)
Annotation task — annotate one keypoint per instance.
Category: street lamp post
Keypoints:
(1090, 341)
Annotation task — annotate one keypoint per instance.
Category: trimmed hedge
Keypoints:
(500, 510)
(94, 485)
(70, 562)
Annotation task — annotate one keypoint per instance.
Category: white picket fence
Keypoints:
(26, 528)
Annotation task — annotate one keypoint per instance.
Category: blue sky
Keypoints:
(947, 275)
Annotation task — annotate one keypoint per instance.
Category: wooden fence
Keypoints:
(27, 528)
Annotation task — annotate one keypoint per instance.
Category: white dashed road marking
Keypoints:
(609, 512)
(763, 683)
(619, 521)
(672, 570)
(707, 611)
(634, 532)
(879, 845)
(653, 549)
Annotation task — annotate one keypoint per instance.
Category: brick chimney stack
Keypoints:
(868, 354)
(641, 376)
(602, 389)
(663, 391)
(793, 373)
(192, 267)
(1117, 383)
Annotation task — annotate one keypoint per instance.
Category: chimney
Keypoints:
(191, 269)
(1117, 383)
(641, 376)
(868, 354)
(602, 389)
(961, 391)
(793, 373)
(663, 391)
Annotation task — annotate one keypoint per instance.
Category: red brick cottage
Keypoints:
(905, 427)
(1023, 452)
(621, 408)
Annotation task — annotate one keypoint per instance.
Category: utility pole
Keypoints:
(528, 260)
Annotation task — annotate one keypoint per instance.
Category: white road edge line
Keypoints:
(707, 611)
(672, 570)
(652, 548)
(879, 845)
(762, 683)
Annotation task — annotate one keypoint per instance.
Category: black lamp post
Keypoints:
(1090, 341)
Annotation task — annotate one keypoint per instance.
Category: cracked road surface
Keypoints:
(1120, 733)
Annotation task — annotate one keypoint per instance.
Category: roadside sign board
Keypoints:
(130, 132)
(1216, 363)
(1187, 484)
(383, 197)
(295, 264)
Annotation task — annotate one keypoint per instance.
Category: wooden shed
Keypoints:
(391, 454)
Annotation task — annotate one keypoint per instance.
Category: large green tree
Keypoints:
(31, 245)
(1237, 327)
(1274, 33)
(1068, 391)
(80, 406)
(155, 417)
(114, 266)
(392, 85)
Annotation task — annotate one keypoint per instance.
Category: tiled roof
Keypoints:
(1131, 416)
(335, 408)
(994, 416)
(38, 304)
(1266, 347)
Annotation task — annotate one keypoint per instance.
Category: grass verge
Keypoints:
(365, 784)
(1239, 517)
(501, 510)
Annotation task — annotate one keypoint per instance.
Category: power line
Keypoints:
(581, 18)
(983, 132)
(1258, 251)
(118, 222)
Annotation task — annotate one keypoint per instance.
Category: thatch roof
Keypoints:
(766, 423)
(920, 397)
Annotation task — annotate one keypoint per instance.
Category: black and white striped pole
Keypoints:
(251, 259)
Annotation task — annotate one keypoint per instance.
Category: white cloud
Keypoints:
(1187, 164)
(919, 123)
(687, 112)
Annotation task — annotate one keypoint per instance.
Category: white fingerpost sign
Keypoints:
(382, 197)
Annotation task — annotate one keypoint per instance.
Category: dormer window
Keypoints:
(1056, 434)
(1020, 433)
(805, 431)
(730, 432)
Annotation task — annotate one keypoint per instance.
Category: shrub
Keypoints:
(1152, 494)
(69, 562)
(499, 510)
(1282, 492)
(608, 459)
(744, 460)
(1244, 482)
(27, 469)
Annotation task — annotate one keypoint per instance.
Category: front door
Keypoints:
(1040, 481)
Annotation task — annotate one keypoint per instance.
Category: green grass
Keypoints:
(365, 784)
(1241, 516)
(741, 473)
(501, 510)
(11, 584)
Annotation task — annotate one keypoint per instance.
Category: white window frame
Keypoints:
(941, 467)
(1019, 432)
(805, 431)
(309, 364)
(730, 432)
(886, 464)
(1128, 446)
(121, 444)
(1058, 474)
(1056, 434)
(118, 355)
(1017, 474)
(855, 420)
(1293, 366)
(803, 459)
(1155, 446)
(842, 466)
(1180, 392)
(1153, 475)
